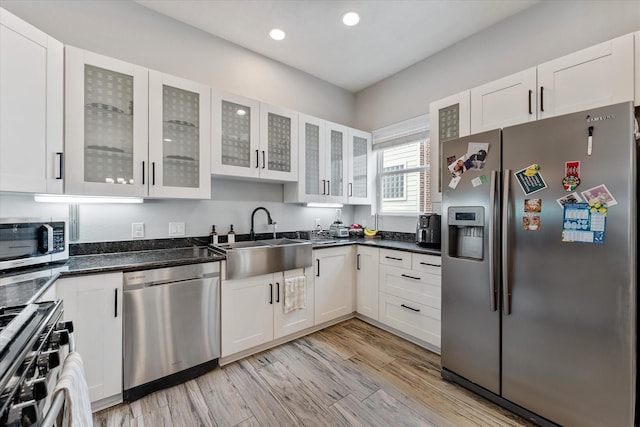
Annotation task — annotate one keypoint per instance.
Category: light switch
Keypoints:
(137, 230)
(176, 229)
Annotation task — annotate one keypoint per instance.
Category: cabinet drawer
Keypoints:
(414, 319)
(427, 263)
(423, 288)
(395, 258)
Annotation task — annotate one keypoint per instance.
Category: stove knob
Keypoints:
(49, 359)
(29, 416)
(34, 390)
(60, 337)
(40, 390)
(68, 325)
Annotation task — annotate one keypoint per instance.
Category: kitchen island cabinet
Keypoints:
(31, 108)
(94, 304)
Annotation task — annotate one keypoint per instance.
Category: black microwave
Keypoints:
(29, 241)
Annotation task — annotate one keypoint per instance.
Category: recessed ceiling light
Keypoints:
(277, 34)
(350, 19)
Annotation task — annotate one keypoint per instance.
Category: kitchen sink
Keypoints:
(253, 258)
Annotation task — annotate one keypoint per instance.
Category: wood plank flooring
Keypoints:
(351, 374)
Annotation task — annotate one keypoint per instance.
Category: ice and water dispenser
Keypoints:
(466, 232)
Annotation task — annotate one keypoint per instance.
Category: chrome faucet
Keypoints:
(252, 235)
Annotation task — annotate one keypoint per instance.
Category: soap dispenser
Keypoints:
(231, 237)
(213, 236)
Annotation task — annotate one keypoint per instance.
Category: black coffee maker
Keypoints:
(428, 230)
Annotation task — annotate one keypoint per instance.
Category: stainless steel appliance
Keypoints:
(171, 326)
(30, 241)
(542, 326)
(428, 230)
(31, 350)
(338, 230)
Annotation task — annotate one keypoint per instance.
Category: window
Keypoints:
(403, 168)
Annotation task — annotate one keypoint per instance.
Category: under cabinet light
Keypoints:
(324, 205)
(64, 198)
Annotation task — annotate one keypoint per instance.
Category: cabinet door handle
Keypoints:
(393, 258)
(324, 187)
(328, 188)
(530, 94)
(264, 161)
(318, 268)
(430, 265)
(417, 310)
(541, 98)
(257, 159)
(410, 277)
(115, 310)
(277, 291)
(350, 189)
(143, 172)
(60, 164)
(358, 262)
(270, 293)
(153, 173)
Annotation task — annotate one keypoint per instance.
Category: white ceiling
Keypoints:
(391, 35)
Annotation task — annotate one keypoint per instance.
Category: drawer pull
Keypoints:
(410, 308)
(393, 258)
(430, 265)
(410, 277)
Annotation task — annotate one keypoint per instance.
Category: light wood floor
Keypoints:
(351, 374)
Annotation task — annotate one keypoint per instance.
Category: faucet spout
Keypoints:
(252, 235)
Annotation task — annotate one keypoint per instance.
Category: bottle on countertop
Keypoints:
(231, 237)
(213, 236)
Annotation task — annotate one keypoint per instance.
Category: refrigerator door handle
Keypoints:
(506, 293)
(492, 240)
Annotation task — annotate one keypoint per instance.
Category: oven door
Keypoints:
(28, 241)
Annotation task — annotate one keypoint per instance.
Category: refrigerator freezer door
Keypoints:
(470, 316)
(568, 344)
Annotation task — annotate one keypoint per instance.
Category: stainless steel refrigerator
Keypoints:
(539, 281)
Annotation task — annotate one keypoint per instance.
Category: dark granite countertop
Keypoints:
(26, 286)
(400, 245)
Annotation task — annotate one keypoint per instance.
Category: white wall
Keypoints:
(233, 203)
(128, 31)
(546, 31)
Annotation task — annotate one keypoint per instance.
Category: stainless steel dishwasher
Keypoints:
(171, 326)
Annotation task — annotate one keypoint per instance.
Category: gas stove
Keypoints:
(31, 340)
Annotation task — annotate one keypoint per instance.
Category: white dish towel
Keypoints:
(295, 294)
(77, 403)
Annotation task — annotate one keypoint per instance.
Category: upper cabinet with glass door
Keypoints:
(359, 167)
(312, 181)
(179, 138)
(106, 125)
(278, 154)
(235, 144)
(336, 164)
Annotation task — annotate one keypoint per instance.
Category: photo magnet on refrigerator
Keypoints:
(530, 179)
(572, 175)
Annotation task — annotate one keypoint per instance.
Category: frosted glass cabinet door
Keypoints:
(278, 143)
(31, 108)
(235, 147)
(337, 137)
(312, 161)
(106, 125)
(359, 189)
(179, 138)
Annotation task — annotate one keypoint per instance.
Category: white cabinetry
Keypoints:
(360, 168)
(409, 301)
(334, 279)
(179, 137)
(235, 147)
(109, 125)
(504, 102)
(449, 119)
(593, 77)
(323, 163)
(94, 304)
(253, 313)
(367, 260)
(636, 76)
(31, 108)
(278, 143)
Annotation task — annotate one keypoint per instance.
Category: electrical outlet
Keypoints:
(176, 229)
(137, 230)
